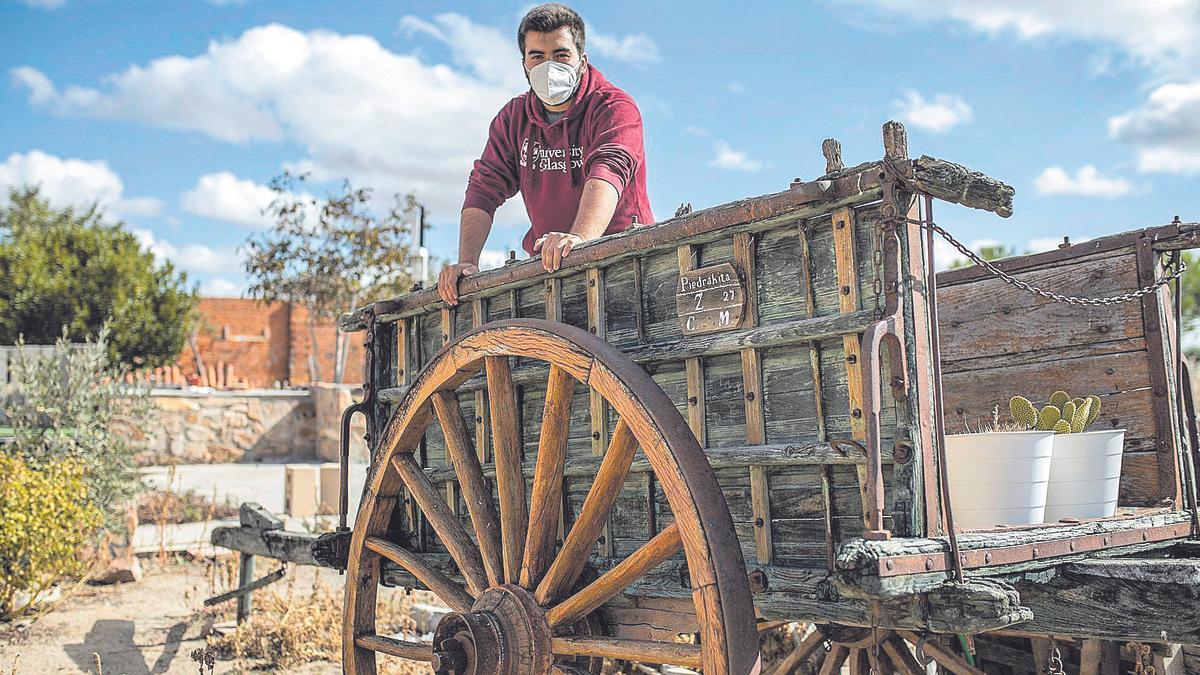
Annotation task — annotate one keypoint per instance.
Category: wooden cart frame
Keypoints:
(837, 275)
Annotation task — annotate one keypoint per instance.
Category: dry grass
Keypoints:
(295, 625)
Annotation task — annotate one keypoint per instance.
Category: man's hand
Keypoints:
(554, 247)
(448, 280)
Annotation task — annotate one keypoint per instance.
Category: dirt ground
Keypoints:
(150, 627)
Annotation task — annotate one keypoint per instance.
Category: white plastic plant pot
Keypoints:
(1085, 475)
(999, 478)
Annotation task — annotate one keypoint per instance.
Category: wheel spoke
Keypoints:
(646, 651)
(945, 657)
(834, 660)
(545, 502)
(860, 662)
(510, 482)
(902, 659)
(599, 502)
(451, 593)
(470, 478)
(416, 651)
(805, 649)
(664, 545)
(447, 526)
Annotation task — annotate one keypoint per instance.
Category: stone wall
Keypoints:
(201, 426)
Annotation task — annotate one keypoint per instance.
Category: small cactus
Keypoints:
(1068, 411)
(1079, 419)
(1023, 412)
(1059, 398)
(1062, 427)
(1047, 418)
(1094, 411)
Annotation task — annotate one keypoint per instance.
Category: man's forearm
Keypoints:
(473, 228)
(596, 208)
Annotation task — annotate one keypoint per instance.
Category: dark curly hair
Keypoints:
(550, 17)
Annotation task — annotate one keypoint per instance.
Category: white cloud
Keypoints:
(1164, 34)
(196, 259)
(73, 182)
(635, 48)
(1087, 182)
(736, 160)
(1162, 37)
(1165, 130)
(491, 258)
(218, 287)
(390, 120)
(1043, 244)
(938, 115)
(223, 196)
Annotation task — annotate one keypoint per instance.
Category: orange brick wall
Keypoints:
(266, 343)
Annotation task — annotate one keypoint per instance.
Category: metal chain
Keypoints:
(1051, 295)
(1054, 664)
(1140, 652)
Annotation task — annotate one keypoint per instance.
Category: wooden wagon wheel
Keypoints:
(520, 610)
(877, 652)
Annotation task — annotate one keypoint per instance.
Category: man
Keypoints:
(572, 146)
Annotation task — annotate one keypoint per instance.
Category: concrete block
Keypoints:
(300, 491)
(330, 488)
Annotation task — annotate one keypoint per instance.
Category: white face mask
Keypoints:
(554, 82)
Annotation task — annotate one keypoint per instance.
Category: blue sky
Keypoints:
(175, 114)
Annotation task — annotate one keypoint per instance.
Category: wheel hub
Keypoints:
(504, 633)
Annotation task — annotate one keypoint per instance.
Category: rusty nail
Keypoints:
(1145, 536)
(758, 581)
(601, 539)
(692, 400)
(889, 564)
(903, 453)
(841, 224)
(593, 329)
(1106, 540)
(928, 564)
(1035, 552)
(963, 558)
(845, 290)
(758, 522)
(595, 435)
(856, 413)
(1072, 546)
(591, 282)
(987, 558)
(749, 396)
(478, 419)
(851, 358)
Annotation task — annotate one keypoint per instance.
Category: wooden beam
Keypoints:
(598, 409)
(761, 508)
(695, 365)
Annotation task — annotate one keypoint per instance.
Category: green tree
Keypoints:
(71, 268)
(988, 252)
(330, 255)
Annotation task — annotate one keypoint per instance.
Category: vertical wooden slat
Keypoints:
(761, 505)
(814, 350)
(847, 279)
(743, 256)
(553, 297)
(482, 445)
(694, 365)
(1161, 375)
(447, 319)
(402, 351)
(598, 324)
(639, 317)
(756, 429)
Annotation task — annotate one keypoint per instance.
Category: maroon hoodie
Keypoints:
(599, 136)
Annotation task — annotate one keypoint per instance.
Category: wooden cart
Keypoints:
(697, 430)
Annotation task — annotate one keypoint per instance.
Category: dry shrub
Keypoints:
(171, 508)
(298, 626)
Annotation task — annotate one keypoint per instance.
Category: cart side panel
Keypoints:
(998, 341)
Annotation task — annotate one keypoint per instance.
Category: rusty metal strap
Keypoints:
(918, 563)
